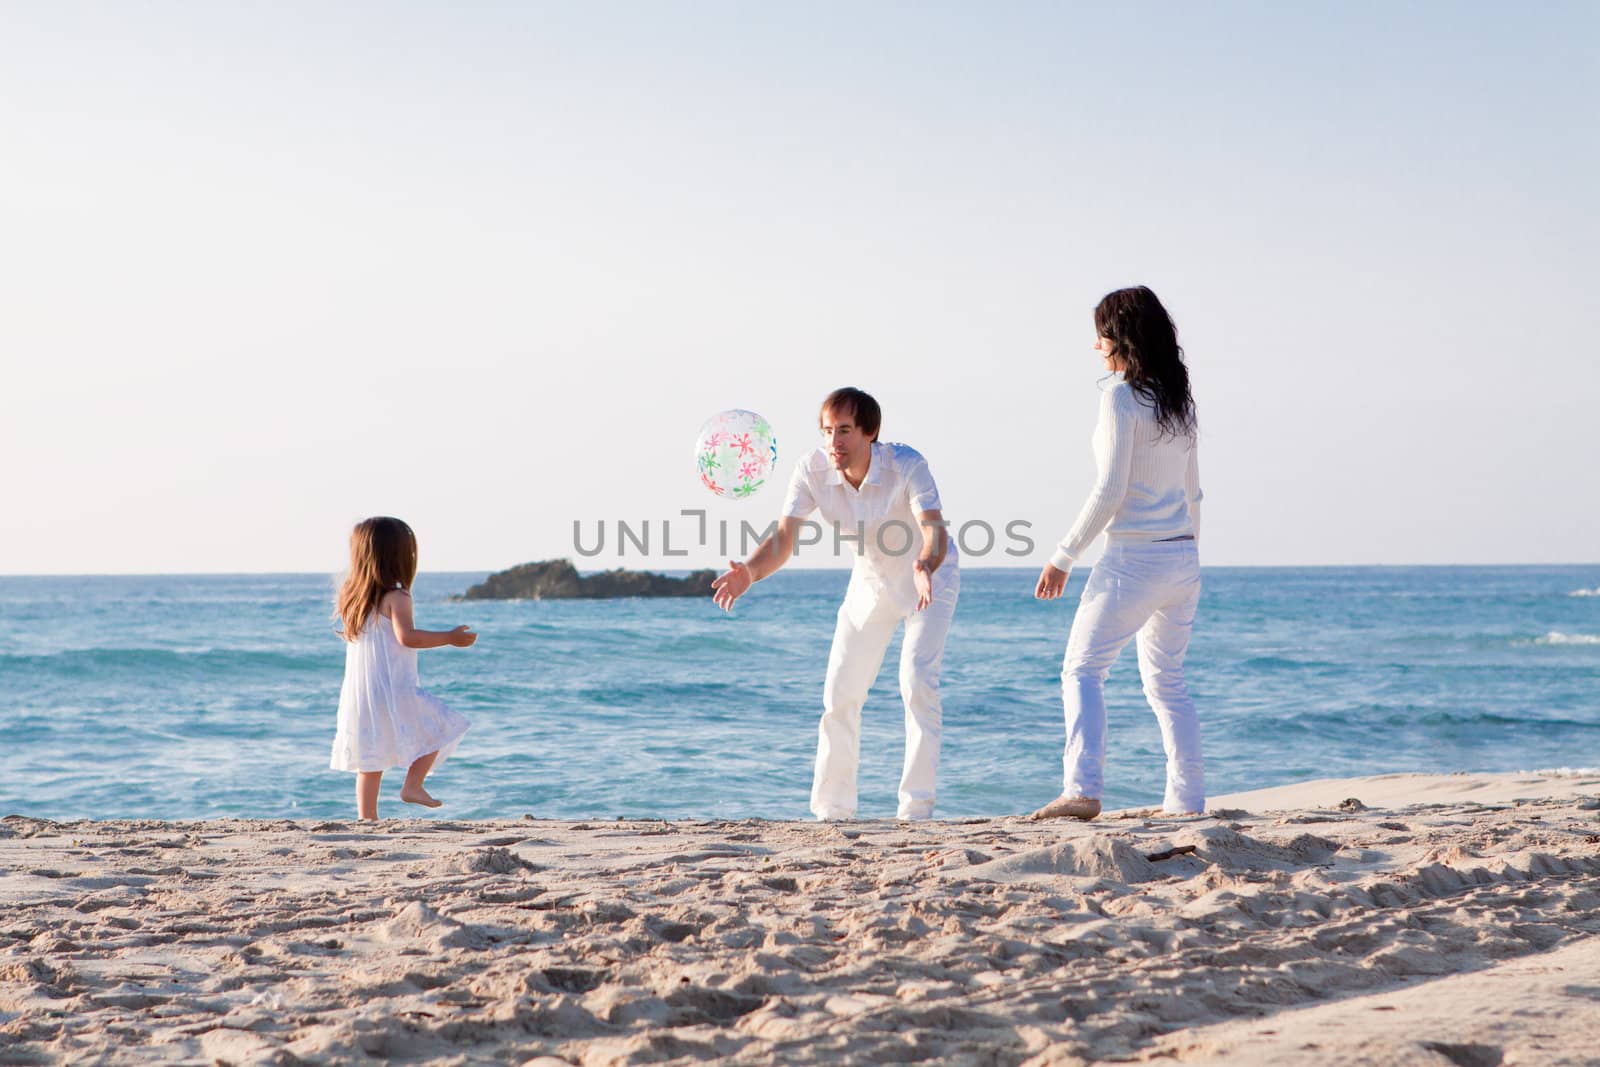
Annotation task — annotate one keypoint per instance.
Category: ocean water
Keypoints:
(206, 696)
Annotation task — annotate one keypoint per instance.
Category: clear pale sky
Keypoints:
(267, 269)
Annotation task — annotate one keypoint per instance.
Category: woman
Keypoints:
(1147, 582)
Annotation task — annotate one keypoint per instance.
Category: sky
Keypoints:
(268, 269)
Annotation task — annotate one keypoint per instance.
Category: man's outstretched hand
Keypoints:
(734, 583)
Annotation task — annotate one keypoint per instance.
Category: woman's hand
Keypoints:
(732, 585)
(1052, 583)
(461, 637)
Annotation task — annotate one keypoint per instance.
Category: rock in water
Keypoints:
(558, 579)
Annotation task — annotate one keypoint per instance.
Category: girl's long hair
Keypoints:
(383, 555)
(1143, 337)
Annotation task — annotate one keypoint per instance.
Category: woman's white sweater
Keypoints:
(1147, 483)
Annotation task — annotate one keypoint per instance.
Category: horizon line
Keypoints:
(787, 569)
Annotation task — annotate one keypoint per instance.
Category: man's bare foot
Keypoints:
(1084, 808)
(421, 796)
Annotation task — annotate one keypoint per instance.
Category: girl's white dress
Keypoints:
(385, 719)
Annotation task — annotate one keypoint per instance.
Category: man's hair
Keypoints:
(858, 405)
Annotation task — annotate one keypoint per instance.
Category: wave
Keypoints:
(1586, 592)
(209, 659)
(1556, 637)
(1357, 722)
(1488, 718)
(1269, 662)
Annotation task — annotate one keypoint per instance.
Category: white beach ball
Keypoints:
(736, 453)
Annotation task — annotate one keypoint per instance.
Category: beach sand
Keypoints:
(1403, 919)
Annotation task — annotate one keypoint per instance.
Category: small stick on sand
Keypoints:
(1178, 850)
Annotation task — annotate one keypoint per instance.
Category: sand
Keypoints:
(1393, 920)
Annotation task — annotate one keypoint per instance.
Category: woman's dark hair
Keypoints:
(1143, 337)
(858, 405)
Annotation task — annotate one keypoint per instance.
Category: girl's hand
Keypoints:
(1052, 583)
(462, 636)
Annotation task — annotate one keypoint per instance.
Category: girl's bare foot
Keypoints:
(419, 795)
(1084, 808)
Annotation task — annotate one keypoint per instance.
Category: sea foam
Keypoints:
(1556, 637)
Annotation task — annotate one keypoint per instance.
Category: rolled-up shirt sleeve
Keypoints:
(1113, 454)
(799, 502)
(923, 493)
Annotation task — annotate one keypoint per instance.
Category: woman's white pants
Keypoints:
(1148, 591)
(867, 622)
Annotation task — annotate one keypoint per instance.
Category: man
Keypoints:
(882, 499)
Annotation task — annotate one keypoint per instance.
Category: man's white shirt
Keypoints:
(882, 513)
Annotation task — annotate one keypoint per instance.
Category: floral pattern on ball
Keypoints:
(735, 453)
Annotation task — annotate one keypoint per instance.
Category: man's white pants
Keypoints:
(1148, 590)
(867, 621)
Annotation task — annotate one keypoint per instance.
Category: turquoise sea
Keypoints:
(204, 696)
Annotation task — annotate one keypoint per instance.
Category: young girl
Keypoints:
(385, 720)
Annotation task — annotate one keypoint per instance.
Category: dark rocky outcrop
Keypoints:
(558, 579)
